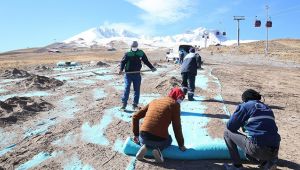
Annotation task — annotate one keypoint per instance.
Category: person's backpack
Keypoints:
(199, 60)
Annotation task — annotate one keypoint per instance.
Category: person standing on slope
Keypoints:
(132, 62)
(189, 73)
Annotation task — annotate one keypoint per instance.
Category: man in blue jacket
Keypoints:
(262, 141)
(189, 73)
(132, 62)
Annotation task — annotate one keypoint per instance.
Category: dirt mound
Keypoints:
(20, 108)
(167, 84)
(42, 68)
(15, 73)
(41, 82)
(102, 64)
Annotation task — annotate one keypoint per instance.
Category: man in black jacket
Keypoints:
(132, 62)
(188, 73)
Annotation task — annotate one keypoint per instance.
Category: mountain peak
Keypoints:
(108, 32)
(103, 35)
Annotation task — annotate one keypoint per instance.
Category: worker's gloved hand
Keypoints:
(120, 72)
(153, 69)
(182, 148)
(136, 139)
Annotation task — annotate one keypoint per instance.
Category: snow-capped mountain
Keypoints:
(104, 36)
(198, 37)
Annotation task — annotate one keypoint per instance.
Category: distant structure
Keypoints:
(205, 36)
(238, 18)
(53, 50)
(268, 25)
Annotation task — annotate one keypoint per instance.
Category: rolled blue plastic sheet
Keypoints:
(209, 150)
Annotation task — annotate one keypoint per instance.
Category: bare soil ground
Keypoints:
(84, 98)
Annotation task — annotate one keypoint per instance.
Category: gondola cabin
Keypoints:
(217, 33)
(224, 33)
(257, 23)
(269, 24)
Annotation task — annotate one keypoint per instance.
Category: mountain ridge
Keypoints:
(103, 36)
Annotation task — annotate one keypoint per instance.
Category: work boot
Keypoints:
(157, 155)
(135, 107)
(232, 167)
(191, 98)
(123, 108)
(141, 153)
(268, 165)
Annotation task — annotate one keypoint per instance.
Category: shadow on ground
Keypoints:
(212, 164)
(219, 116)
(237, 103)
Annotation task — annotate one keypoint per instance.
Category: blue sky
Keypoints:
(34, 23)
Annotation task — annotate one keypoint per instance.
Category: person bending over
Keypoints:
(158, 115)
(261, 144)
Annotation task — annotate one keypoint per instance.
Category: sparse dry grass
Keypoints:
(31, 58)
(284, 49)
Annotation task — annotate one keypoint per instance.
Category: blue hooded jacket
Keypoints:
(258, 121)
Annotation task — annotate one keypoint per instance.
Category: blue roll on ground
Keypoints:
(210, 150)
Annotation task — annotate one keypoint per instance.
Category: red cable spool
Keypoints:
(257, 23)
(269, 24)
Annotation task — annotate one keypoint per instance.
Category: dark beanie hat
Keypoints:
(192, 50)
(250, 94)
(134, 44)
(176, 93)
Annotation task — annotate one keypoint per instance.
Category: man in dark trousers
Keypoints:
(189, 73)
(132, 62)
(262, 141)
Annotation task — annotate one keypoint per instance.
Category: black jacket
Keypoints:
(132, 61)
(189, 64)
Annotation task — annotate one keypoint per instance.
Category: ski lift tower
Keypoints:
(205, 36)
(238, 18)
(268, 25)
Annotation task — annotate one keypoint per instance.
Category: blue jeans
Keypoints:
(156, 144)
(136, 80)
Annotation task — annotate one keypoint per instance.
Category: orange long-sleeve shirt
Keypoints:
(158, 115)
